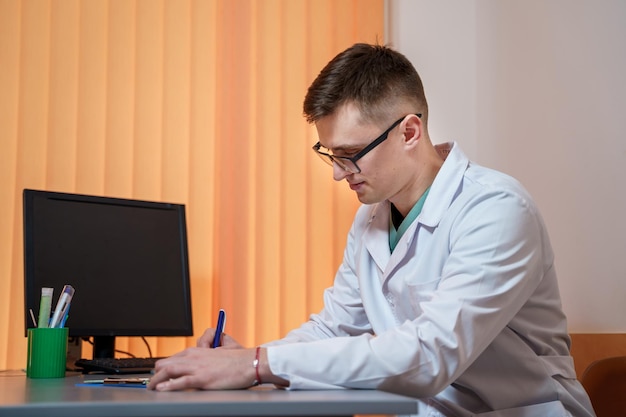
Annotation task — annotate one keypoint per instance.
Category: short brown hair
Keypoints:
(373, 77)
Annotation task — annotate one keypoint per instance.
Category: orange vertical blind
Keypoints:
(188, 101)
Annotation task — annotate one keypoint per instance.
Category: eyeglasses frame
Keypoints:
(331, 159)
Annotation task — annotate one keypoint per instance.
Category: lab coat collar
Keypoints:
(376, 235)
(446, 186)
(442, 192)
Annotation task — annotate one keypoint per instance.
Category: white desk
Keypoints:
(61, 397)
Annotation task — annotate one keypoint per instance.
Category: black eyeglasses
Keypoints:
(348, 163)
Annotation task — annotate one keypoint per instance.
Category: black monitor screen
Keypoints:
(126, 259)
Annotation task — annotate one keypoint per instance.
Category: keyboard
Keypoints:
(116, 366)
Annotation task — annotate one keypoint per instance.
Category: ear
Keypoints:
(413, 130)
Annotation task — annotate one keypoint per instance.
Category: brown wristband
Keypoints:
(255, 365)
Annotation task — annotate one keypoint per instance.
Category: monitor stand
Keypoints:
(103, 347)
(74, 352)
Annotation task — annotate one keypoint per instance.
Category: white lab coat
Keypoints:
(464, 315)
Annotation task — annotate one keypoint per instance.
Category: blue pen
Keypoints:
(219, 329)
(67, 313)
(62, 304)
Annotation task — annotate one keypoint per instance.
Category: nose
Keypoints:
(338, 172)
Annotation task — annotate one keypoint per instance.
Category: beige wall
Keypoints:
(536, 89)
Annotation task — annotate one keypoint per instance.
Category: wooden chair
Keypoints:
(605, 382)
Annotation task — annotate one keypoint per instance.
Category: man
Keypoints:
(447, 291)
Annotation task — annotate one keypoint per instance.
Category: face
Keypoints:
(345, 134)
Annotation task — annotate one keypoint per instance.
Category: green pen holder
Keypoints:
(47, 352)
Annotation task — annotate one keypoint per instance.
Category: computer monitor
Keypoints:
(126, 259)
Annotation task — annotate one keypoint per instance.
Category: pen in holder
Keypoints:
(47, 352)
